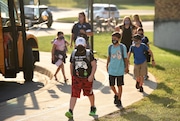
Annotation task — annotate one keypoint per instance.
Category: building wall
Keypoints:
(167, 24)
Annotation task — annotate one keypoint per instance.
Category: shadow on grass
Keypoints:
(164, 87)
(128, 114)
(165, 101)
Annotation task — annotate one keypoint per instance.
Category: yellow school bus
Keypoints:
(18, 48)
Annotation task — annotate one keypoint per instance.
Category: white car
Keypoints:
(104, 11)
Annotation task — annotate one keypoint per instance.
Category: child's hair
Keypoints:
(140, 29)
(116, 34)
(60, 32)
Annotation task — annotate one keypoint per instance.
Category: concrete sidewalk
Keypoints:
(52, 101)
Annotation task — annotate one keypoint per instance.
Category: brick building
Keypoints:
(167, 24)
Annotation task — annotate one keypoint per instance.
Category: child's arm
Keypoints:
(107, 64)
(94, 66)
(128, 57)
(71, 69)
(52, 52)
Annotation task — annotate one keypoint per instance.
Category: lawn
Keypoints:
(72, 19)
(164, 103)
(72, 4)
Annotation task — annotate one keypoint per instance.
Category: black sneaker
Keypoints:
(115, 99)
(137, 85)
(146, 77)
(92, 111)
(119, 104)
(141, 89)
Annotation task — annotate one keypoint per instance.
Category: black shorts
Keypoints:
(119, 80)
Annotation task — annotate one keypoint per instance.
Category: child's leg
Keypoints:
(119, 92)
(63, 72)
(59, 67)
(114, 90)
(141, 81)
(91, 99)
(120, 82)
(112, 83)
(72, 103)
(143, 72)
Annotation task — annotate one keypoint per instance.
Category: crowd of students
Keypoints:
(127, 38)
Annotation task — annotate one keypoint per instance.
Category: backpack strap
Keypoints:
(73, 54)
(109, 51)
(122, 50)
(88, 51)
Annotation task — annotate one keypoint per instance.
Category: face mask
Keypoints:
(80, 48)
(114, 42)
(126, 22)
(142, 34)
(136, 42)
(61, 37)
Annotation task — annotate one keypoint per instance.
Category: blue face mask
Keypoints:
(126, 22)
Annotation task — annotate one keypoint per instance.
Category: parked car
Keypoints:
(38, 14)
(104, 11)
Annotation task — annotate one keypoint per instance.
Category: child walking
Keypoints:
(83, 67)
(59, 54)
(116, 66)
(140, 63)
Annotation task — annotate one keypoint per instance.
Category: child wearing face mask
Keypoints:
(127, 29)
(117, 65)
(59, 54)
(82, 68)
(140, 63)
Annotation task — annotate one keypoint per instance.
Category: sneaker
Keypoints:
(137, 85)
(119, 104)
(115, 99)
(93, 111)
(141, 89)
(69, 114)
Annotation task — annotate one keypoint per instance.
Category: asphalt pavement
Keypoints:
(50, 102)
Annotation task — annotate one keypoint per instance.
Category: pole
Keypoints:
(92, 37)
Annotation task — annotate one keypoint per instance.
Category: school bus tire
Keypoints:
(29, 65)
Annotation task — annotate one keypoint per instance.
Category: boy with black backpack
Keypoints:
(140, 64)
(82, 68)
(116, 65)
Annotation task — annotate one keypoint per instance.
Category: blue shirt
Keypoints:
(116, 64)
(139, 56)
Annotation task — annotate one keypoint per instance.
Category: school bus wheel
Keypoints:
(28, 68)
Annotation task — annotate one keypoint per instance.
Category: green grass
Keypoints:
(164, 103)
(72, 4)
(73, 19)
(136, 6)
